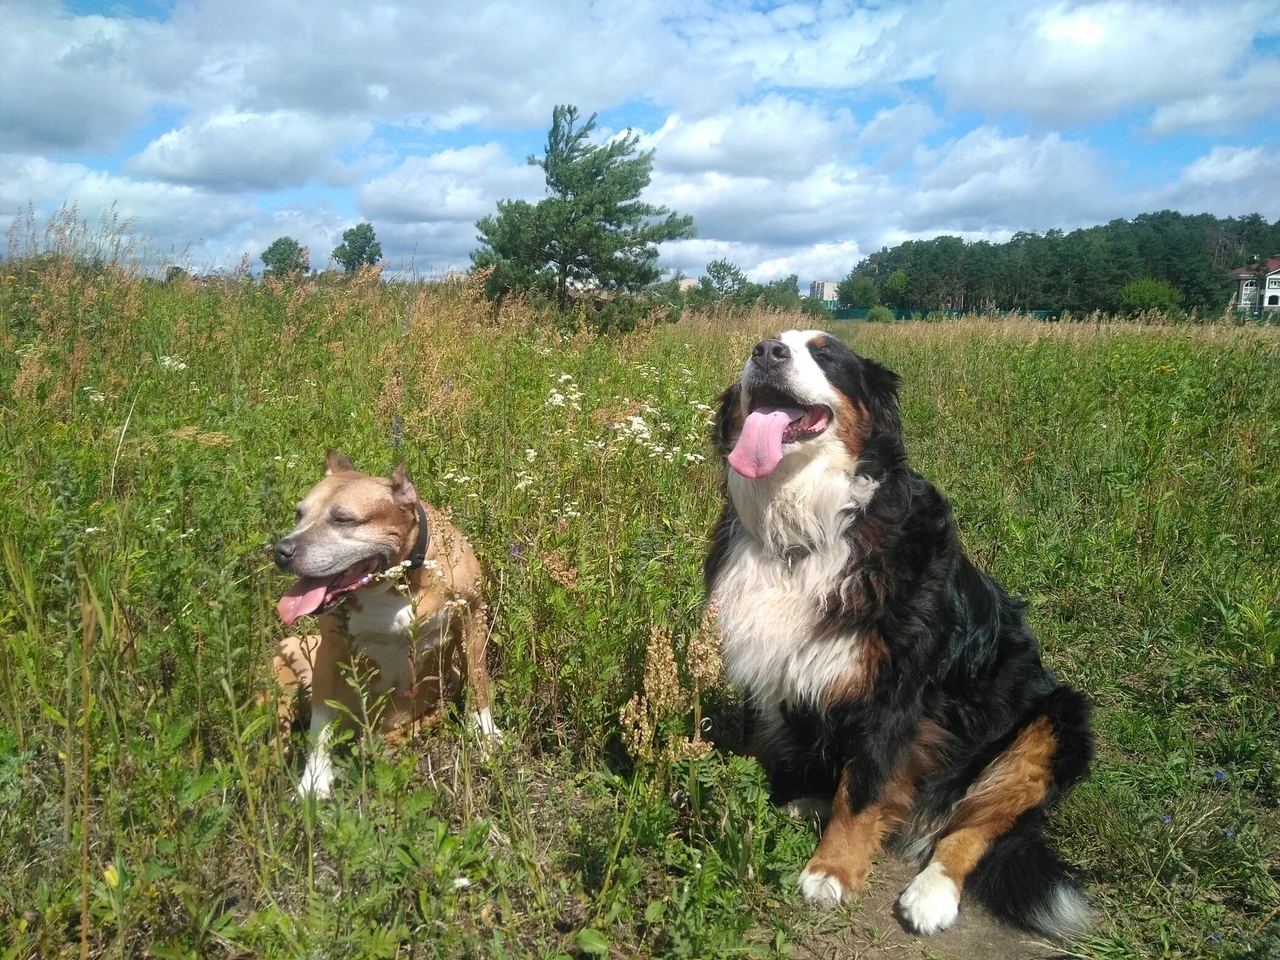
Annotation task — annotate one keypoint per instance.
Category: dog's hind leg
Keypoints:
(1010, 791)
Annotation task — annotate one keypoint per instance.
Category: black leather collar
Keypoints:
(419, 555)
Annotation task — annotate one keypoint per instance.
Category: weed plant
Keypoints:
(155, 437)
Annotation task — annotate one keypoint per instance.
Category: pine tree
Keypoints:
(591, 230)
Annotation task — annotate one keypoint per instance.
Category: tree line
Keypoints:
(592, 242)
(1156, 260)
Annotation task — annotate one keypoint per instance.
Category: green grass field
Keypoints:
(155, 437)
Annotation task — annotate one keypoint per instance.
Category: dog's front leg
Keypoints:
(475, 640)
(330, 658)
(838, 869)
(317, 777)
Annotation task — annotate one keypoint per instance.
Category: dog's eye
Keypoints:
(343, 517)
(297, 513)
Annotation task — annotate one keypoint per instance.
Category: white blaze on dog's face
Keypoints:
(802, 391)
(794, 430)
(350, 526)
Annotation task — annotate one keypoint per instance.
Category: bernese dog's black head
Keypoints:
(803, 394)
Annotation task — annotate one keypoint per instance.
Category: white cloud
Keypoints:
(235, 151)
(816, 45)
(73, 83)
(763, 262)
(831, 200)
(450, 62)
(822, 261)
(987, 182)
(897, 131)
(776, 136)
(1070, 63)
(981, 185)
(1227, 181)
(429, 249)
(977, 118)
(1225, 109)
(174, 217)
(452, 185)
(1225, 165)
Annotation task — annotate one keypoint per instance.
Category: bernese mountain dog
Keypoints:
(882, 671)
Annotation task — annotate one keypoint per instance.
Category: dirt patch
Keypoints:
(870, 930)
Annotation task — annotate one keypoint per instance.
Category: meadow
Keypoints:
(155, 436)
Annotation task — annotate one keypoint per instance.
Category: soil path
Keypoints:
(871, 931)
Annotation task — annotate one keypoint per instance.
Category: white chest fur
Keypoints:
(787, 559)
(770, 616)
(386, 630)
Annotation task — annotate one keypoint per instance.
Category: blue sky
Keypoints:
(801, 136)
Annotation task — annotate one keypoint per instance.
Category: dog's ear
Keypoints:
(728, 419)
(882, 382)
(337, 462)
(402, 489)
(882, 399)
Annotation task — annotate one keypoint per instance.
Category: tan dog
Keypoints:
(398, 591)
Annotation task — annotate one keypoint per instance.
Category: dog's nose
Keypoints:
(769, 353)
(284, 552)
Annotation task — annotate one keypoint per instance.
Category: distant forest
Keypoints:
(1080, 271)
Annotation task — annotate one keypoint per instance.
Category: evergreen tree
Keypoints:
(727, 280)
(591, 230)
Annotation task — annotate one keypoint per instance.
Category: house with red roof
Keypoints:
(1257, 286)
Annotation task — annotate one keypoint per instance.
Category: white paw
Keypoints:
(482, 722)
(821, 887)
(931, 901)
(317, 779)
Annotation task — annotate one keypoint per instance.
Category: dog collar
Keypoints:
(419, 555)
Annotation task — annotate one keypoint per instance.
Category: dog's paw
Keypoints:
(482, 723)
(931, 901)
(317, 779)
(822, 887)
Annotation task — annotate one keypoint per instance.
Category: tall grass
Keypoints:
(155, 437)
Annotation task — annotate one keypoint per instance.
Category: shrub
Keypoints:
(1138, 296)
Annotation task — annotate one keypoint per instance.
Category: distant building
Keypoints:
(1258, 287)
(687, 283)
(824, 290)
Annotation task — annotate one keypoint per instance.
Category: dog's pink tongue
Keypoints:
(759, 449)
(300, 599)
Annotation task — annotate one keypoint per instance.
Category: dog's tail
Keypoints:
(1023, 882)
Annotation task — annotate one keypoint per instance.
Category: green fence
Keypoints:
(909, 313)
